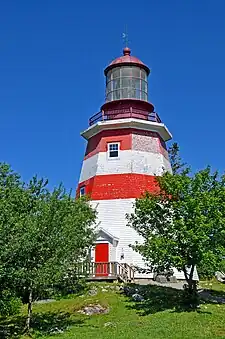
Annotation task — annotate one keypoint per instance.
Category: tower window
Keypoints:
(82, 191)
(113, 150)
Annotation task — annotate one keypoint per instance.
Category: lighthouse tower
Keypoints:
(126, 148)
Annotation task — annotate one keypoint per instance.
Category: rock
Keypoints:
(109, 324)
(220, 277)
(56, 330)
(172, 279)
(167, 274)
(161, 279)
(137, 297)
(104, 290)
(221, 300)
(94, 309)
(129, 291)
(93, 291)
(126, 290)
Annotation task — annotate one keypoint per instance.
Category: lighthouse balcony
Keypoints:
(126, 119)
(123, 114)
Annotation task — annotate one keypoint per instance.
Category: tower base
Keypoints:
(115, 237)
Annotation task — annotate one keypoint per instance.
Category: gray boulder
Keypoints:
(93, 291)
(94, 309)
(161, 279)
(220, 276)
(137, 297)
(172, 279)
(56, 330)
(109, 324)
(129, 291)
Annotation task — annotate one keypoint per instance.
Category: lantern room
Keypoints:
(126, 78)
(126, 91)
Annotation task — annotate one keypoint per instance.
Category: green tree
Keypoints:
(43, 234)
(183, 225)
(177, 165)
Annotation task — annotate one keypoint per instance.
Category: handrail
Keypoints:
(130, 271)
(123, 114)
(113, 268)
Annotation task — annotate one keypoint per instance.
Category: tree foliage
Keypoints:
(182, 226)
(177, 165)
(43, 234)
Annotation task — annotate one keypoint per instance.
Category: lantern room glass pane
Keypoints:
(108, 78)
(116, 73)
(116, 95)
(109, 97)
(143, 75)
(108, 87)
(116, 84)
(125, 93)
(127, 82)
(126, 71)
(144, 96)
(136, 72)
(144, 86)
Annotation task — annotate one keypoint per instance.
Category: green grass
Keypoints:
(159, 316)
(213, 285)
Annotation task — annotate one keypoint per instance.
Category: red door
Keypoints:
(102, 259)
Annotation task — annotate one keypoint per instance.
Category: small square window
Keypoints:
(82, 191)
(113, 150)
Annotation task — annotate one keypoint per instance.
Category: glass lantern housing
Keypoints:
(126, 82)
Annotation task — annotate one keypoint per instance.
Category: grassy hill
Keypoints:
(159, 316)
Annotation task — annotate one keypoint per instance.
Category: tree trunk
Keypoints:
(189, 278)
(191, 292)
(29, 312)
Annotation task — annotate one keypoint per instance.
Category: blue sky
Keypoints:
(52, 56)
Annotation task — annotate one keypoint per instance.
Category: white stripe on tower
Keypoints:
(129, 161)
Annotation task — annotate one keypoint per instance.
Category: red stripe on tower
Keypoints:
(128, 139)
(118, 186)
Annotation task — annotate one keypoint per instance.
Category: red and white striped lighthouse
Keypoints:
(125, 150)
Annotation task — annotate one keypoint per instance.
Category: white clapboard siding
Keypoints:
(111, 218)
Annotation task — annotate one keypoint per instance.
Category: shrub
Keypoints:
(9, 304)
(205, 272)
(70, 284)
(222, 266)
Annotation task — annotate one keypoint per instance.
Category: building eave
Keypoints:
(108, 234)
(127, 123)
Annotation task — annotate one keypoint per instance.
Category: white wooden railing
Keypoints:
(112, 269)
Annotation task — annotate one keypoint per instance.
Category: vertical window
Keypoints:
(113, 150)
(82, 191)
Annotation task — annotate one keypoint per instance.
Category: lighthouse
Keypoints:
(126, 149)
